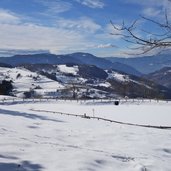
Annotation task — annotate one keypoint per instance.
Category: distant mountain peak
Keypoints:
(74, 58)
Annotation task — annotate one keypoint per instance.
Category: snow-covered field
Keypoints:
(41, 141)
(24, 80)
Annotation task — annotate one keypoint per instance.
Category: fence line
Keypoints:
(103, 119)
(24, 100)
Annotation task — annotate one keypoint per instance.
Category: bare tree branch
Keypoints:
(150, 40)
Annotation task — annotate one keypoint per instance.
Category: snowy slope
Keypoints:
(118, 76)
(24, 80)
(69, 70)
(88, 82)
(125, 78)
(39, 141)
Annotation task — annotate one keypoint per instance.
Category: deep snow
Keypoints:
(41, 141)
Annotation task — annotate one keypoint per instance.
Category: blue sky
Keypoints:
(67, 26)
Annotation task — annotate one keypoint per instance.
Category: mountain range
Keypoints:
(162, 77)
(76, 58)
(146, 64)
(78, 81)
(106, 76)
(135, 66)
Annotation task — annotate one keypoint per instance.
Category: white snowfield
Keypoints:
(119, 77)
(69, 70)
(42, 141)
(24, 79)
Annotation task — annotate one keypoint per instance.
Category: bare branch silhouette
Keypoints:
(150, 40)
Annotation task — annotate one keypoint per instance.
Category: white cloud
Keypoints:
(151, 12)
(10, 52)
(92, 3)
(7, 17)
(83, 24)
(149, 3)
(54, 6)
(109, 30)
(153, 6)
(66, 36)
(108, 45)
(30, 36)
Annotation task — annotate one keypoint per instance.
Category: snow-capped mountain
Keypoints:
(146, 64)
(24, 80)
(75, 58)
(162, 77)
(78, 81)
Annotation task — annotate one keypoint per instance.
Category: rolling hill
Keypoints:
(146, 64)
(162, 77)
(75, 58)
(78, 81)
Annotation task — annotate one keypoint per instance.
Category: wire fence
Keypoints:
(11, 101)
(107, 101)
(103, 119)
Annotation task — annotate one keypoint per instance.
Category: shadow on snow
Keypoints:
(27, 115)
(22, 166)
